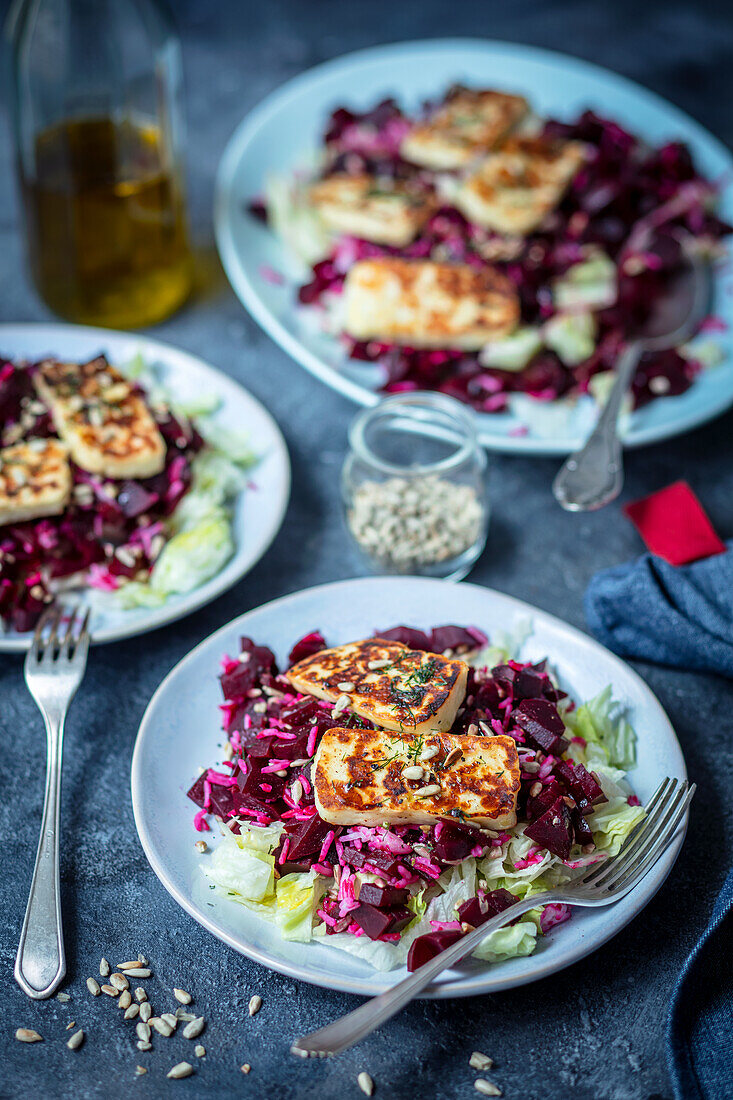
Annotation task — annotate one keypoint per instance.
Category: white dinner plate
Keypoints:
(181, 732)
(282, 132)
(258, 512)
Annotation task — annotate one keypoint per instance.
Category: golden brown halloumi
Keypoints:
(35, 480)
(468, 125)
(423, 304)
(514, 189)
(390, 213)
(392, 686)
(108, 428)
(366, 777)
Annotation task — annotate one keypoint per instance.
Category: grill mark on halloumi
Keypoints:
(514, 189)
(467, 125)
(358, 779)
(108, 428)
(423, 304)
(35, 480)
(390, 213)
(409, 690)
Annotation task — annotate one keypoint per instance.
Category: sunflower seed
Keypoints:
(146, 1011)
(142, 960)
(119, 981)
(131, 964)
(143, 1031)
(201, 846)
(125, 999)
(140, 1070)
(415, 772)
(193, 1029)
(246, 1067)
(76, 1040)
(142, 1045)
(365, 1083)
(453, 755)
(255, 1004)
(199, 1050)
(110, 991)
(345, 685)
(170, 1019)
(182, 997)
(104, 967)
(93, 987)
(535, 789)
(138, 972)
(28, 1035)
(182, 1014)
(486, 1088)
(427, 792)
(140, 994)
(374, 666)
(161, 1026)
(480, 1061)
(71, 1025)
(183, 1069)
(132, 1012)
(63, 997)
(430, 752)
(296, 792)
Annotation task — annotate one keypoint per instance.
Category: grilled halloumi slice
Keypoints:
(108, 428)
(35, 480)
(466, 126)
(514, 189)
(423, 304)
(366, 777)
(390, 213)
(392, 686)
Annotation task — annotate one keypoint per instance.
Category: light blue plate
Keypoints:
(282, 132)
(181, 733)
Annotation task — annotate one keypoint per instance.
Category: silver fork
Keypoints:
(602, 884)
(54, 667)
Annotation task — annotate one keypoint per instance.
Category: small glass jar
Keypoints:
(413, 487)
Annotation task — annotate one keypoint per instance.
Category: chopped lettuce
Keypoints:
(193, 556)
(572, 336)
(513, 352)
(296, 896)
(508, 943)
(589, 284)
(243, 867)
(612, 822)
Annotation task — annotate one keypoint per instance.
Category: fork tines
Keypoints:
(60, 632)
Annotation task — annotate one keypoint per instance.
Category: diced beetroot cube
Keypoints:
(581, 829)
(542, 724)
(525, 683)
(307, 837)
(257, 746)
(452, 844)
(290, 868)
(455, 637)
(248, 673)
(243, 801)
(477, 910)
(375, 922)
(222, 800)
(382, 896)
(486, 697)
(426, 947)
(133, 499)
(306, 647)
(196, 791)
(582, 784)
(384, 861)
(401, 917)
(553, 830)
(290, 750)
(408, 635)
(236, 684)
(536, 806)
(251, 781)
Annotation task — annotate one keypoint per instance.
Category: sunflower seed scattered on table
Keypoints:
(182, 996)
(194, 1028)
(183, 1014)
(28, 1035)
(63, 997)
(125, 999)
(255, 1004)
(93, 987)
(132, 1012)
(161, 1026)
(140, 1070)
(76, 1040)
(119, 981)
(143, 1031)
(486, 1088)
(71, 1025)
(480, 1061)
(104, 967)
(146, 1011)
(143, 1045)
(246, 1067)
(131, 964)
(140, 994)
(138, 972)
(199, 1050)
(110, 991)
(183, 1069)
(170, 1019)
(142, 960)
(365, 1083)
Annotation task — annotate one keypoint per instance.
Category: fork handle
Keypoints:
(40, 964)
(351, 1029)
(594, 475)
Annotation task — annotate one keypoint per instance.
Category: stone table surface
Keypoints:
(595, 1031)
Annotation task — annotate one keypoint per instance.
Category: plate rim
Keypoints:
(472, 985)
(225, 201)
(221, 582)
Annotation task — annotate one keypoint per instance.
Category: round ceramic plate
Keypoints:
(257, 514)
(281, 134)
(181, 732)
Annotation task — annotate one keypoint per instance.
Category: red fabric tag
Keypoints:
(673, 524)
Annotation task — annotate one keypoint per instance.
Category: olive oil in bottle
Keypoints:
(106, 227)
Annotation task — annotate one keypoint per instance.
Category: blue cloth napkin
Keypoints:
(671, 615)
(700, 1023)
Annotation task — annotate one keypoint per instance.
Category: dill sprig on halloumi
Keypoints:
(106, 425)
(35, 480)
(369, 777)
(396, 688)
(467, 125)
(514, 189)
(423, 304)
(387, 212)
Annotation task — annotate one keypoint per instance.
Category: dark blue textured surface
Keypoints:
(679, 616)
(595, 1032)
